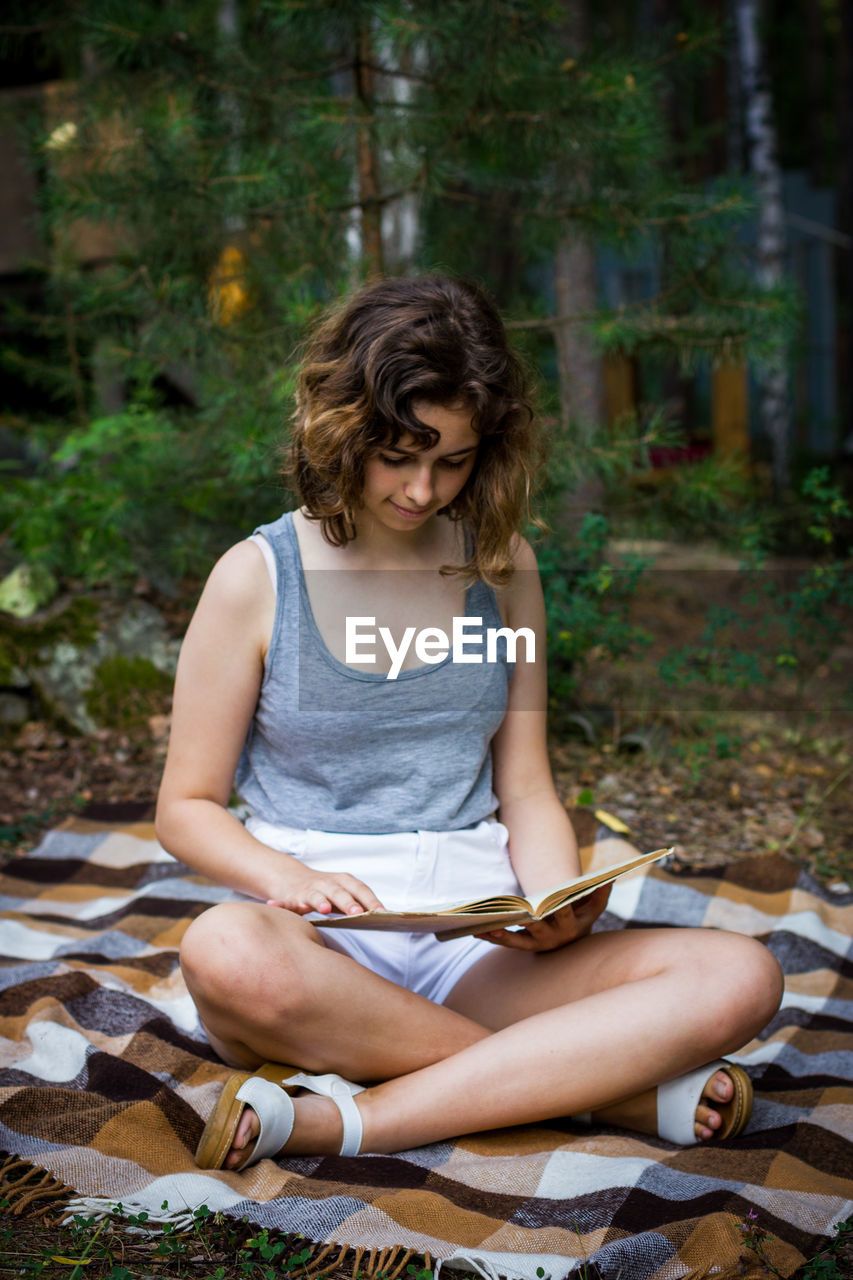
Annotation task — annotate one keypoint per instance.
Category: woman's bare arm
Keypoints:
(216, 690)
(542, 843)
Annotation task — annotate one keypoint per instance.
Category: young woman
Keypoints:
(384, 774)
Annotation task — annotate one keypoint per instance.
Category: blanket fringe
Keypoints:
(407, 1254)
(378, 1262)
(21, 1193)
(388, 1262)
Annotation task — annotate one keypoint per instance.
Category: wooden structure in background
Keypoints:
(730, 410)
(83, 241)
(20, 240)
(729, 401)
(620, 386)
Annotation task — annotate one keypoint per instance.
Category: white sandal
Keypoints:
(264, 1091)
(678, 1099)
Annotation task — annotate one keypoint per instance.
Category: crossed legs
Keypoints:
(522, 1037)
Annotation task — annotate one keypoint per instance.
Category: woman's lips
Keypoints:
(408, 513)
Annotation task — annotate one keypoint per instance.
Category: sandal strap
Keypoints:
(677, 1102)
(341, 1092)
(274, 1110)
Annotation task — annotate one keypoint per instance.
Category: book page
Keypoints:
(478, 916)
(545, 903)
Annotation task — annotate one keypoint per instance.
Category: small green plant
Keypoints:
(757, 1240)
(587, 602)
(262, 1256)
(826, 1265)
(418, 1273)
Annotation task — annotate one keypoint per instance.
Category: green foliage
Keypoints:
(829, 507)
(122, 1244)
(126, 692)
(712, 498)
(799, 622)
(587, 602)
(139, 493)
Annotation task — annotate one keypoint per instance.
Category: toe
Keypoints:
(720, 1087)
(707, 1121)
(247, 1132)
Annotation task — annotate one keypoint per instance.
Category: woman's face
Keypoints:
(405, 485)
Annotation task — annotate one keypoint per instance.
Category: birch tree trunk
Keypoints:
(368, 158)
(764, 167)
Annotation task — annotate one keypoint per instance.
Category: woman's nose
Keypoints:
(419, 488)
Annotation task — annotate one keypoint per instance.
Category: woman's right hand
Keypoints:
(327, 892)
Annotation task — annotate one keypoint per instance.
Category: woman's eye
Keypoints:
(393, 462)
(454, 464)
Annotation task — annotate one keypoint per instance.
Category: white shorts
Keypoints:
(410, 870)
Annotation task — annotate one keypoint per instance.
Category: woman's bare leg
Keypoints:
(269, 990)
(701, 994)
(573, 1030)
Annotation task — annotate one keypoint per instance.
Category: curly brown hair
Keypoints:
(372, 359)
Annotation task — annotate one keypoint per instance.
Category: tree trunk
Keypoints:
(844, 259)
(764, 167)
(579, 364)
(368, 159)
(228, 24)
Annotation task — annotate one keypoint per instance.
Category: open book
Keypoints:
(458, 919)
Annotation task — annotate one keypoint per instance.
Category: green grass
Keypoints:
(124, 1246)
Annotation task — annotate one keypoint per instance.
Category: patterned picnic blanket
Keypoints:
(106, 1080)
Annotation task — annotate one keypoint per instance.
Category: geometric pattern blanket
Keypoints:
(106, 1080)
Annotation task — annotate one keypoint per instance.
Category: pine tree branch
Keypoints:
(250, 90)
(397, 73)
(34, 29)
(625, 215)
(675, 328)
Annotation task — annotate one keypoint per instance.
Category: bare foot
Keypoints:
(317, 1130)
(640, 1112)
(718, 1089)
(244, 1139)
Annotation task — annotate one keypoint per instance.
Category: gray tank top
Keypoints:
(334, 748)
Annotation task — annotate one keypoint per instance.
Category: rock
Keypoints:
(14, 709)
(116, 676)
(26, 589)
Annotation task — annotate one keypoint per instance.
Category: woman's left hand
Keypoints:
(563, 927)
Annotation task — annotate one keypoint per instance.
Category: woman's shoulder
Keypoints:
(249, 565)
(523, 555)
(240, 579)
(520, 600)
